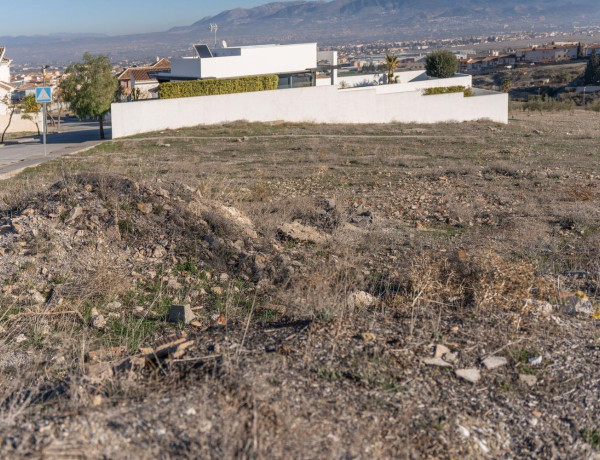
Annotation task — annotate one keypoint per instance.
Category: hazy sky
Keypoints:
(33, 17)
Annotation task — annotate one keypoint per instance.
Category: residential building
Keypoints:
(141, 82)
(6, 88)
(296, 65)
(552, 53)
(588, 50)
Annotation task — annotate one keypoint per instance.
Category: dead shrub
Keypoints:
(484, 281)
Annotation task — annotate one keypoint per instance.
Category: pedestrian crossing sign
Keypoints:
(43, 94)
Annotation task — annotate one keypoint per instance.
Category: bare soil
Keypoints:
(474, 236)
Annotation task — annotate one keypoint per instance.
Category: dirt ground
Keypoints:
(327, 267)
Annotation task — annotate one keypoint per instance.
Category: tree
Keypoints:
(31, 110)
(580, 51)
(441, 64)
(592, 71)
(506, 85)
(11, 108)
(390, 64)
(90, 88)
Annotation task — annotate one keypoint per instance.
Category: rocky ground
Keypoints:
(307, 291)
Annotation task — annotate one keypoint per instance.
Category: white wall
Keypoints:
(18, 125)
(326, 104)
(407, 81)
(253, 60)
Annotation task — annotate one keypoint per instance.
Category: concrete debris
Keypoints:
(441, 350)
(436, 362)
(470, 375)
(181, 313)
(493, 362)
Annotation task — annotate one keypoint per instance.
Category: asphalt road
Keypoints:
(17, 154)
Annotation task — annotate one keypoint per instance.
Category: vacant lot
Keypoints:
(326, 267)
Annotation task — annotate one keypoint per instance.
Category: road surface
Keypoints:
(17, 154)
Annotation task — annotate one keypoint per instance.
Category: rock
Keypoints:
(330, 205)
(451, 357)
(302, 233)
(113, 306)
(223, 277)
(21, 338)
(368, 336)
(535, 361)
(37, 297)
(75, 213)
(493, 362)
(360, 299)
(159, 252)
(146, 208)
(528, 379)
(241, 220)
(436, 362)
(470, 375)
(578, 303)
(97, 400)
(441, 350)
(17, 228)
(98, 320)
(539, 307)
(4, 229)
(181, 313)
(463, 431)
(217, 290)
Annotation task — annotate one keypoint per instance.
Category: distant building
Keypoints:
(588, 50)
(143, 79)
(6, 88)
(553, 53)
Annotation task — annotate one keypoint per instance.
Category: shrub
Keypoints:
(441, 64)
(547, 104)
(468, 92)
(172, 90)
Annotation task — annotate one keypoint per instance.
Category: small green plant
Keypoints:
(592, 437)
(125, 227)
(189, 266)
(441, 64)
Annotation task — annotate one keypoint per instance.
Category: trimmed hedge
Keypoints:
(193, 88)
(448, 89)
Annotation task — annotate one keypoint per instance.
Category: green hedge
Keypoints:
(172, 90)
(448, 89)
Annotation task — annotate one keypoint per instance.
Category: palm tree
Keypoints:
(391, 62)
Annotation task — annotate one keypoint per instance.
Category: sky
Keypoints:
(113, 17)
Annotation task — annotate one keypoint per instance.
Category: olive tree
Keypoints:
(90, 88)
(441, 64)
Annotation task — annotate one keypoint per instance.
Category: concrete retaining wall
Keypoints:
(325, 104)
(18, 125)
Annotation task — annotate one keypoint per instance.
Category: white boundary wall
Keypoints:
(19, 125)
(324, 104)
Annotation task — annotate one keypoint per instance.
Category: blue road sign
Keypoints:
(43, 94)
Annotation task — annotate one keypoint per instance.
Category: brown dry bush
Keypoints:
(485, 281)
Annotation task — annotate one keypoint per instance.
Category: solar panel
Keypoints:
(203, 51)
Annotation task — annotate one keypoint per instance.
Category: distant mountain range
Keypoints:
(328, 22)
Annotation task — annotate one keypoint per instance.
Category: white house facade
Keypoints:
(5, 87)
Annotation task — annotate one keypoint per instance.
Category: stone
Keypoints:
(436, 362)
(441, 350)
(181, 313)
(330, 205)
(223, 277)
(463, 431)
(21, 338)
(145, 208)
(539, 307)
(37, 297)
(470, 375)
(217, 290)
(75, 213)
(535, 361)
(113, 306)
(360, 299)
(493, 362)
(17, 228)
(578, 303)
(98, 320)
(302, 233)
(368, 336)
(4, 229)
(528, 379)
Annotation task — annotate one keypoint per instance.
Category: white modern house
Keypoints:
(6, 88)
(301, 97)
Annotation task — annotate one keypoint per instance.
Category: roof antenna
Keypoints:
(213, 28)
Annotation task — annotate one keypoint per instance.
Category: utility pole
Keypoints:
(44, 67)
